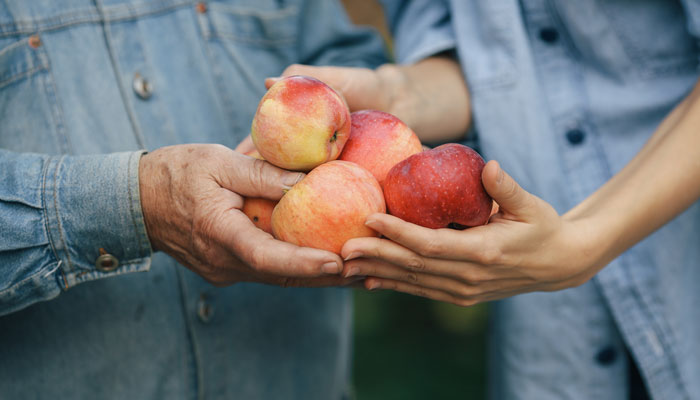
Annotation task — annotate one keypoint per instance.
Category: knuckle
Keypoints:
(432, 248)
(415, 263)
(467, 292)
(412, 277)
(491, 255)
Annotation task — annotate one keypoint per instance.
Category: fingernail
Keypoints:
(371, 222)
(352, 255)
(372, 285)
(290, 180)
(330, 267)
(352, 272)
(499, 179)
(272, 80)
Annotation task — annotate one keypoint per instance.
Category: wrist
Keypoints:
(395, 95)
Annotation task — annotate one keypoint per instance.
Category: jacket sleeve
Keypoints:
(327, 37)
(421, 28)
(66, 220)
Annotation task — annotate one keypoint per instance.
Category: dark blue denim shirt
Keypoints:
(564, 93)
(85, 87)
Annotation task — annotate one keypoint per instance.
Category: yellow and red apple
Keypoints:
(300, 123)
(328, 207)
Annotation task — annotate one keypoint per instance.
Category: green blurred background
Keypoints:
(408, 347)
(412, 348)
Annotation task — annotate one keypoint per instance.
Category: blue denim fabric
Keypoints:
(564, 94)
(72, 130)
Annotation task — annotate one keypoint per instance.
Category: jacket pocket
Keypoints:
(29, 113)
(246, 44)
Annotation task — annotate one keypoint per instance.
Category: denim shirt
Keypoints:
(87, 86)
(564, 93)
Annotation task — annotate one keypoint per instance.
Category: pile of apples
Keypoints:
(358, 164)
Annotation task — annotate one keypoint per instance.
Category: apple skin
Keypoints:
(378, 141)
(439, 188)
(328, 207)
(259, 210)
(300, 123)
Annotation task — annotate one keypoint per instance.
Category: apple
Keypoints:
(300, 123)
(439, 188)
(378, 141)
(259, 210)
(328, 207)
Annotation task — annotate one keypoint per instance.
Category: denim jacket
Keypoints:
(85, 87)
(564, 93)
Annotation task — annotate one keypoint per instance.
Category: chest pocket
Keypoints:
(246, 44)
(30, 119)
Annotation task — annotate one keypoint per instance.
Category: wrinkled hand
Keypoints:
(525, 247)
(191, 197)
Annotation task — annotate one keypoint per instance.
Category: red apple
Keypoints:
(300, 123)
(259, 210)
(439, 187)
(328, 207)
(378, 141)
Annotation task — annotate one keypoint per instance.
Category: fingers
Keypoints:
(506, 192)
(415, 290)
(246, 146)
(467, 245)
(266, 255)
(255, 178)
(408, 263)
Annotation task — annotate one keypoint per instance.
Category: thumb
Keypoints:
(511, 198)
(252, 177)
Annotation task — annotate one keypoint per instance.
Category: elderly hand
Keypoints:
(192, 196)
(525, 247)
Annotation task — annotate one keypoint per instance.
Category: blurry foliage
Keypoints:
(412, 348)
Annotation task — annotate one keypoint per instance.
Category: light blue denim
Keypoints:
(564, 94)
(72, 130)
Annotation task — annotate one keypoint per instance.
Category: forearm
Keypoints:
(431, 96)
(658, 184)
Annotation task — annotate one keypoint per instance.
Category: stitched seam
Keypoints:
(81, 17)
(47, 218)
(31, 277)
(250, 40)
(21, 76)
(58, 218)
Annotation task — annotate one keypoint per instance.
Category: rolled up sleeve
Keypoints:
(67, 220)
(421, 28)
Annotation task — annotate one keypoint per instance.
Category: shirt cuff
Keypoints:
(94, 217)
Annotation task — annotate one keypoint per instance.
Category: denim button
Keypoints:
(606, 356)
(549, 35)
(575, 136)
(106, 262)
(142, 87)
(205, 310)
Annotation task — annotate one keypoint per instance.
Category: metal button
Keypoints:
(606, 356)
(106, 262)
(34, 41)
(142, 87)
(205, 310)
(575, 136)
(201, 7)
(549, 35)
